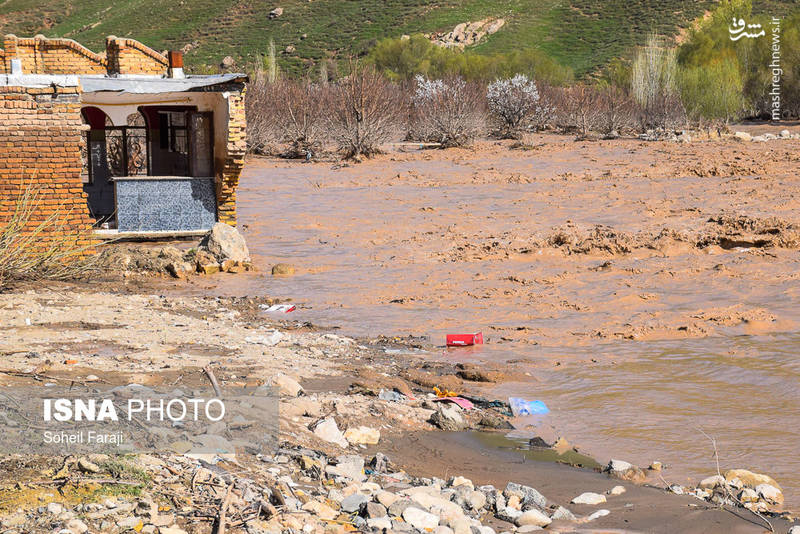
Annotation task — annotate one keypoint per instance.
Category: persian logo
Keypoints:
(737, 30)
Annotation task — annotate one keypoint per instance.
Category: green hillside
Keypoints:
(582, 34)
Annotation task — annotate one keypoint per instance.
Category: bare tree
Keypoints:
(363, 111)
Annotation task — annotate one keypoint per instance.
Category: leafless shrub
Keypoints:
(617, 111)
(32, 247)
(285, 112)
(450, 111)
(363, 111)
(577, 108)
(262, 133)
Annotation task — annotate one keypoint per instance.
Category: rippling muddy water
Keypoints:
(649, 290)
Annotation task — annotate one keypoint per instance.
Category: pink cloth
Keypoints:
(461, 401)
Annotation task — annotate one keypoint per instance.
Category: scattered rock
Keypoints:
(275, 13)
(617, 490)
(598, 514)
(656, 466)
(589, 498)
(533, 517)
(625, 471)
(287, 385)
(750, 479)
(743, 136)
(328, 431)
(349, 466)
(527, 495)
(224, 242)
(712, 482)
(420, 519)
(87, 466)
(227, 63)
(76, 526)
(363, 435)
(374, 510)
(769, 493)
(563, 514)
(448, 418)
(352, 503)
(387, 498)
(460, 481)
(283, 269)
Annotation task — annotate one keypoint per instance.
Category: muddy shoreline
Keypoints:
(138, 338)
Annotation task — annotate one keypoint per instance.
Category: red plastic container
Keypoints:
(464, 340)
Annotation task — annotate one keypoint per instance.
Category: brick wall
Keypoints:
(126, 56)
(40, 134)
(41, 55)
(234, 159)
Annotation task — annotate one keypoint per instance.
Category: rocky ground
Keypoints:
(341, 402)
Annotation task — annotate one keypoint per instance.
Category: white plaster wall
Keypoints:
(119, 106)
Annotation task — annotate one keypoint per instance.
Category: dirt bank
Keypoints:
(72, 336)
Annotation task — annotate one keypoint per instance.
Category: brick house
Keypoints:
(122, 141)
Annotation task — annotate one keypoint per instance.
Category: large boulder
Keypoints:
(224, 242)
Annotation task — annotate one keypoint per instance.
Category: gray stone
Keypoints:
(508, 514)
(397, 508)
(352, 503)
(224, 242)
(563, 514)
(449, 418)
(528, 496)
(54, 508)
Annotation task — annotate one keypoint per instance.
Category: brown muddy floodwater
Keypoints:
(648, 290)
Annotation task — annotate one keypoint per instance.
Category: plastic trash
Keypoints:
(271, 339)
(521, 407)
(464, 340)
(281, 308)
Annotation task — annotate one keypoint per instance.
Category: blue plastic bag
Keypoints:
(521, 407)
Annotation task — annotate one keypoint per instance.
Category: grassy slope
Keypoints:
(580, 33)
